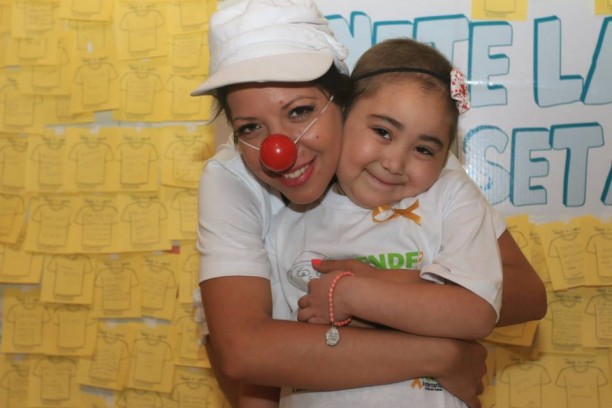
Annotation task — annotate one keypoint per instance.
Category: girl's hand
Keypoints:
(314, 307)
(364, 270)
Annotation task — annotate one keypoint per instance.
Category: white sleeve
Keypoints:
(280, 306)
(468, 255)
(231, 226)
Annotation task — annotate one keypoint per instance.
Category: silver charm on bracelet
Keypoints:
(332, 336)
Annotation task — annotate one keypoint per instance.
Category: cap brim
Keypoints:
(294, 67)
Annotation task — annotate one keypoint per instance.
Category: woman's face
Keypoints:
(260, 110)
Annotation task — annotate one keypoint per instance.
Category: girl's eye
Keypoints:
(383, 133)
(425, 151)
(301, 112)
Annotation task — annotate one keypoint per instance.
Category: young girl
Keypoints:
(395, 205)
(274, 66)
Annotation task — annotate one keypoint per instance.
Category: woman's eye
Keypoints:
(246, 130)
(301, 112)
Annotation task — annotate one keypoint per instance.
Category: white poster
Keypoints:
(538, 137)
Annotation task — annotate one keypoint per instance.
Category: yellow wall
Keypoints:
(100, 153)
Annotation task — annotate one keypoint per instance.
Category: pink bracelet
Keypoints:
(332, 336)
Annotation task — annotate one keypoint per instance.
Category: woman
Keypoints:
(274, 67)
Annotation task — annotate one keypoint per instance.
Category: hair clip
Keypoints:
(459, 91)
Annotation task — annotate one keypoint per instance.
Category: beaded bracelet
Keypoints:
(332, 336)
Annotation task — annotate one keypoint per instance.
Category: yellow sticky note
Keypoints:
(561, 330)
(73, 331)
(90, 159)
(21, 112)
(603, 7)
(137, 153)
(564, 253)
(108, 366)
(189, 269)
(134, 398)
(95, 227)
(46, 158)
(143, 97)
(68, 279)
(18, 265)
(26, 321)
(59, 113)
(152, 359)
(597, 241)
(197, 385)
(519, 228)
(582, 380)
(518, 334)
(94, 39)
(141, 30)
(189, 15)
(159, 285)
(189, 53)
(183, 106)
(88, 10)
(182, 212)
(522, 382)
(508, 10)
(13, 159)
(48, 229)
(597, 321)
(34, 18)
(184, 153)
(12, 217)
(95, 85)
(144, 225)
(189, 348)
(117, 287)
(52, 382)
(51, 78)
(538, 257)
(14, 376)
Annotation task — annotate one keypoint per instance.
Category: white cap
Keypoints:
(270, 41)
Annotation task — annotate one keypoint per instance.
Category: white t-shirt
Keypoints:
(235, 211)
(455, 241)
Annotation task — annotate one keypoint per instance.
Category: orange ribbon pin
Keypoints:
(396, 212)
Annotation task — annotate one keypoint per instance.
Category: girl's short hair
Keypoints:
(395, 59)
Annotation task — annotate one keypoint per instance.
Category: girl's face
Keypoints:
(395, 144)
(260, 110)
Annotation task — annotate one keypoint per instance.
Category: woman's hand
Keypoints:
(463, 371)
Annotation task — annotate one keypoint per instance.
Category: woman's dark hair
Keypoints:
(333, 82)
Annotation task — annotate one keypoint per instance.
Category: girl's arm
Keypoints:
(252, 347)
(424, 309)
(523, 293)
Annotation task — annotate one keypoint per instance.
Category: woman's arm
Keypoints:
(252, 347)
(523, 294)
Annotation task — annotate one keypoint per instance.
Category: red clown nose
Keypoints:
(277, 153)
